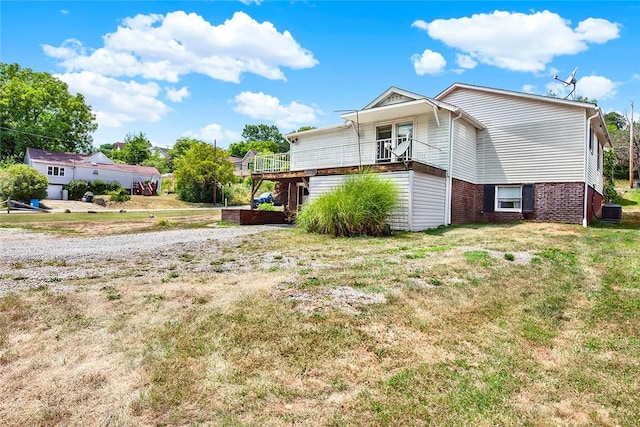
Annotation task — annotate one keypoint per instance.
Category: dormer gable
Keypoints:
(393, 95)
(98, 159)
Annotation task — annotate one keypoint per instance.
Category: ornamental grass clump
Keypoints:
(360, 206)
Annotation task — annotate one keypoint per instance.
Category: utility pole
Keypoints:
(215, 184)
(631, 153)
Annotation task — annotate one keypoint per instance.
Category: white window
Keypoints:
(508, 198)
(55, 171)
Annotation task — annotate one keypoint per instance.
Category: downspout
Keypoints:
(449, 171)
(587, 134)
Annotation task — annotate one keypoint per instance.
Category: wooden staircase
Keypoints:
(145, 188)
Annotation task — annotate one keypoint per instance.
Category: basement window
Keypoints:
(508, 198)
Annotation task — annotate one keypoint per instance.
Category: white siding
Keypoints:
(43, 169)
(86, 174)
(330, 149)
(464, 151)
(595, 177)
(339, 147)
(399, 219)
(427, 201)
(421, 204)
(525, 140)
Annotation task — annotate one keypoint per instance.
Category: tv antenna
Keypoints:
(571, 80)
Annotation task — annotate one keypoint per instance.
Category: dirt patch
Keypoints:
(343, 298)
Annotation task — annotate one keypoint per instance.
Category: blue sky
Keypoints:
(205, 69)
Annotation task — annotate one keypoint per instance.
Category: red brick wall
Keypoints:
(463, 202)
(559, 202)
(554, 202)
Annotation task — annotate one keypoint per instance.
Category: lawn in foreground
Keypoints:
(478, 325)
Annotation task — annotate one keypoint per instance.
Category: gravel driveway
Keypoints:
(39, 259)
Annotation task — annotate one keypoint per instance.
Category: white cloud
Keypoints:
(429, 62)
(529, 89)
(177, 95)
(165, 47)
(518, 41)
(592, 87)
(115, 102)
(212, 132)
(267, 107)
(596, 87)
(466, 61)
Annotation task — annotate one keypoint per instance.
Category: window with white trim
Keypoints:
(508, 198)
(55, 171)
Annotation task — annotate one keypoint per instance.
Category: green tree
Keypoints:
(37, 110)
(239, 149)
(136, 149)
(303, 128)
(22, 182)
(181, 146)
(264, 132)
(615, 120)
(199, 169)
(107, 149)
(158, 162)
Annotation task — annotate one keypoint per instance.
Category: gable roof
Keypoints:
(96, 161)
(406, 103)
(40, 155)
(592, 109)
(524, 95)
(389, 93)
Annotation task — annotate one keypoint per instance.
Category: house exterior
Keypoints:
(62, 168)
(469, 154)
(242, 165)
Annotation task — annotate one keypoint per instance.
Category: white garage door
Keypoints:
(54, 192)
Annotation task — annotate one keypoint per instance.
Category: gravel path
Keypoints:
(39, 259)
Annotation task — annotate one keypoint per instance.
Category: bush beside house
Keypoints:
(23, 183)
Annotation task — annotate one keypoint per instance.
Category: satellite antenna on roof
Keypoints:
(571, 80)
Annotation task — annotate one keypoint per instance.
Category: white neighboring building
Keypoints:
(62, 168)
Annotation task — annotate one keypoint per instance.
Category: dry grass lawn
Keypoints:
(518, 324)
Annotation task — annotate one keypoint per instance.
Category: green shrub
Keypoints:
(120, 195)
(359, 206)
(98, 186)
(266, 207)
(113, 186)
(237, 194)
(22, 182)
(77, 188)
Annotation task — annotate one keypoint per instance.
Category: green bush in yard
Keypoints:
(22, 182)
(120, 195)
(77, 188)
(359, 206)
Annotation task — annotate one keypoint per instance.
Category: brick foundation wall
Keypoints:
(253, 217)
(559, 202)
(553, 202)
(464, 202)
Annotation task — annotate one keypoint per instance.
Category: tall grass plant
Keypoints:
(361, 205)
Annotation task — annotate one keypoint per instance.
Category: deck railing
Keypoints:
(279, 162)
(370, 153)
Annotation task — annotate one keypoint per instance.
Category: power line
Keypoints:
(34, 134)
